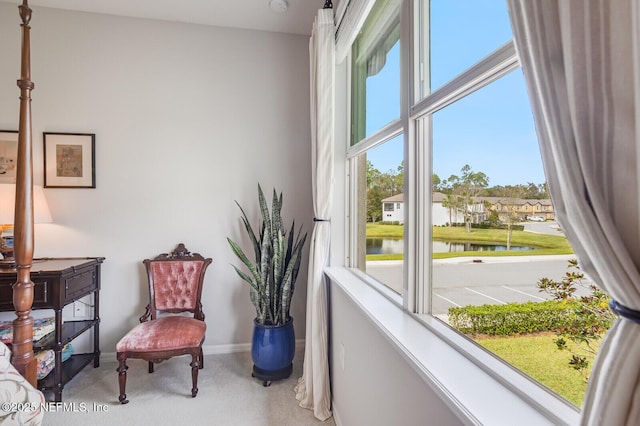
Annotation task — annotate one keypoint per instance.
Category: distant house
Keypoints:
(523, 208)
(393, 210)
(441, 215)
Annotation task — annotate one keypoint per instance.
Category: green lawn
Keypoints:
(545, 244)
(538, 357)
(378, 230)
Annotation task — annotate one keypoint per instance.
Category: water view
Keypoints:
(395, 246)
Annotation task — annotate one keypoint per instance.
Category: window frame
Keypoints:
(415, 123)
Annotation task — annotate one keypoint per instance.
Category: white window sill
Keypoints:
(477, 386)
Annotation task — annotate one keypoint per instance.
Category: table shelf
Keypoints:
(59, 282)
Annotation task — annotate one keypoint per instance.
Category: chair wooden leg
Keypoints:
(201, 359)
(122, 378)
(194, 374)
(150, 367)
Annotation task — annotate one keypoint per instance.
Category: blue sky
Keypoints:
(492, 130)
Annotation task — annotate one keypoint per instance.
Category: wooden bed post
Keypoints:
(23, 358)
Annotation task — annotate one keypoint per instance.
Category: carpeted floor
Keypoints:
(228, 395)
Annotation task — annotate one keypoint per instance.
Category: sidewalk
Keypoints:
(504, 259)
(481, 259)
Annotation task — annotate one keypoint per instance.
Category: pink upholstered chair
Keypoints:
(175, 287)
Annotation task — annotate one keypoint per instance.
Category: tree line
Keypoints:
(461, 190)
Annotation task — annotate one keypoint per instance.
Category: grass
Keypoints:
(544, 244)
(378, 230)
(537, 356)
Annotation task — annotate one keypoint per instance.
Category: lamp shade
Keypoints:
(41, 213)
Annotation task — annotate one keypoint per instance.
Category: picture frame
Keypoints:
(8, 156)
(69, 160)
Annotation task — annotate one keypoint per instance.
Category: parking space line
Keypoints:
(449, 300)
(524, 292)
(488, 297)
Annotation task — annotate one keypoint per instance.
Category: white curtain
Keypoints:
(313, 389)
(581, 61)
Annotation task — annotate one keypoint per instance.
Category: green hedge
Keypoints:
(513, 318)
(490, 226)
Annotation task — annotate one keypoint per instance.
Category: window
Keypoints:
(458, 234)
(377, 152)
(376, 71)
(378, 239)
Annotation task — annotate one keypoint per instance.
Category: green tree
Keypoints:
(529, 191)
(465, 192)
(435, 183)
(380, 186)
(592, 316)
(511, 209)
(450, 203)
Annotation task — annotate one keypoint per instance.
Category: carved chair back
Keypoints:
(175, 283)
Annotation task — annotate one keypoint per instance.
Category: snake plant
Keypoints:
(272, 275)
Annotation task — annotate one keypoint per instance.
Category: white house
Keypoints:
(393, 210)
(441, 215)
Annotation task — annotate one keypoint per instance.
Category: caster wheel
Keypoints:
(266, 383)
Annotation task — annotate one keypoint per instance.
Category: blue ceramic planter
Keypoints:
(272, 350)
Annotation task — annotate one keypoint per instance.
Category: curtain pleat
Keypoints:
(313, 388)
(581, 63)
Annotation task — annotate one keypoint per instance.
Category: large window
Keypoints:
(377, 155)
(450, 207)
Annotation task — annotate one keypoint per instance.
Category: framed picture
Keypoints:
(8, 156)
(69, 160)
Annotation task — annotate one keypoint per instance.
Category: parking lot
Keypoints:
(494, 280)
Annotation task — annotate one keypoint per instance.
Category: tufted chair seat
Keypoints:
(162, 334)
(175, 288)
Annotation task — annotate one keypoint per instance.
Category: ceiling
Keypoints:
(250, 14)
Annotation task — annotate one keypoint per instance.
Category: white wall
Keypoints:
(187, 119)
(395, 215)
(372, 383)
(440, 215)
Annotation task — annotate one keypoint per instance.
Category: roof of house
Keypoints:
(436, 197)
(517, 201)
(398, 198)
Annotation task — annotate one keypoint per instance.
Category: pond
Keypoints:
(394, 246)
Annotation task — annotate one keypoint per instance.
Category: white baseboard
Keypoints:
(210, 350)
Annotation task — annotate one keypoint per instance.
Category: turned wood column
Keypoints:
(23, 358)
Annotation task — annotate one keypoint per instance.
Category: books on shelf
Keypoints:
(41, 327)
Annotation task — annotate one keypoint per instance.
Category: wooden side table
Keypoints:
(59, 282)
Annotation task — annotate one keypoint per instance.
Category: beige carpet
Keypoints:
(228, 395)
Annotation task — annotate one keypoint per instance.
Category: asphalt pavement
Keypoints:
(482, 280)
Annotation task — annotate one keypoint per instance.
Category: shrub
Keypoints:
(488, 225)
(592, 316)
(513, 318)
